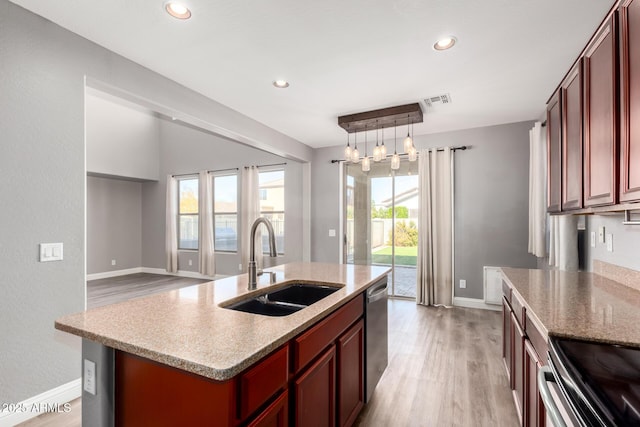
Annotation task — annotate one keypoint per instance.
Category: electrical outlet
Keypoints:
(332, 232)
(601, 234)
(463, 283)
(190, 262)
(593, 239)
(113, 262)
(239, 267)
(89, 377)
(609, 242)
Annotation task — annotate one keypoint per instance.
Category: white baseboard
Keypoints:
(475, 303)
(180, 273)
(50, 401)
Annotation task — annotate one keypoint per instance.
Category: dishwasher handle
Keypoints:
(377, 293)
(545, 375)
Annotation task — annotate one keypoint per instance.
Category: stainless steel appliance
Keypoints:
(591, 384)
(376, 342)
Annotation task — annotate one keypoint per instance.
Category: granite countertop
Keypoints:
(579, 305)
(187, 328)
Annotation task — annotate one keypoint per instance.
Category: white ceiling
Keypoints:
(348, 56)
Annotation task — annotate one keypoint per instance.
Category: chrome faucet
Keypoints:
(253, 273)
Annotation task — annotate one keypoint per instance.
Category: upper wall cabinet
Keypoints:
(554, 153)
(629, 31)
(572, 167)
(600, 117)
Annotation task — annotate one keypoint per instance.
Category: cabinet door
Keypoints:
(506, 338)
(600, 118)
(350, 374)
(315, 394)
(276, 414)
(534, 414)
(517, 335)
(572, 139)
(554, 154)
(630, 101)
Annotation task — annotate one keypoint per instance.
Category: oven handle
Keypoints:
(546, 375)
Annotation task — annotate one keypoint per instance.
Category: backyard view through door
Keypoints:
(381, 221)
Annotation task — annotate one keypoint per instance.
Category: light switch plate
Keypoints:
(593, 239)
(609, 242)
(332, 232)
(51, 252)
(89, 377)
(463, 283)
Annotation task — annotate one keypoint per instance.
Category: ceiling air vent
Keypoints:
(433, 101)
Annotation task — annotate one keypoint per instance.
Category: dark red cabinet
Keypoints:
(506, 337)
(276, 414)
(315, 392)
(350, 374)
(572, 139)
(554, 154)
(629, 100)
(534, 415)
(517, 372)
(601, 118)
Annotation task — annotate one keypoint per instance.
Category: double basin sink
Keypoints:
(283, 301)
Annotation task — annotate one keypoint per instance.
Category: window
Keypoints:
(188, 213)
(271, 185)
(225, 212)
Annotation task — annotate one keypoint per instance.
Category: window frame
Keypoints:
(283, 211)
(216, 213)
(193, 177)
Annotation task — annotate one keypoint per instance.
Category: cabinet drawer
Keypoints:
(518, 310)
(308, 345)
(262, 381)
(276, 414)
(537, 338)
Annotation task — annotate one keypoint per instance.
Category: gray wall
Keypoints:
(491, 199)
(43, 70)
(121, 140)
(114, 224)
(626, 242)
(187, 150)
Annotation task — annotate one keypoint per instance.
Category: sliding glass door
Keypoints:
(381, 221)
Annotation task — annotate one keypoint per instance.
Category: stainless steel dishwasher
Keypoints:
(376, 342)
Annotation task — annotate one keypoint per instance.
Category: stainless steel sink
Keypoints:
(284, 301)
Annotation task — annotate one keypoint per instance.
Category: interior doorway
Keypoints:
(381, 221)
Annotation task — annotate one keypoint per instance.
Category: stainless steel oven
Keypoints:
(591, 384)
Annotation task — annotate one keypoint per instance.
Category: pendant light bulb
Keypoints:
(383, 149)
(408, 141)
(355, 155)
(376, 150)
(413, 154)
(366, 164)
(347, 149)
(395, 161)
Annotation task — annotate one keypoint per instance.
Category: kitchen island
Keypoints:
(186, 337)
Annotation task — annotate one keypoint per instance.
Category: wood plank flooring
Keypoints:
(117, 289)
(445, 369)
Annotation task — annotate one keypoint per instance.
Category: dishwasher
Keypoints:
(376, 327)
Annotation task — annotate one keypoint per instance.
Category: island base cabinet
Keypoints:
(151, 394)
(350, 374)
(315, 392)
(276, 414)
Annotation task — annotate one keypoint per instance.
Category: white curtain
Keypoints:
(537, 190)
(207, 263)
(435, 241)
(171, 231)
(249, 213)
(563, 242)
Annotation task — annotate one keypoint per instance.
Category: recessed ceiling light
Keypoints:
(177, 10)
(281, 84)
(445, 43)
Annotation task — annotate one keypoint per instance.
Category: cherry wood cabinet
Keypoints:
(629, 31)
(554, 154)
(350, 374)
(315, 392)
(517, 377)
(572, 166)
(276, 414)
(506, 337)
(534, 414)
(601, 117)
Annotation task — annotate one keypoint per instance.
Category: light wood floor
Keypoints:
(445, 369)
(117, 289)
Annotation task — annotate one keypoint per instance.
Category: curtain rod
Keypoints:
(209, 171)
(266, 166)
(462, 147)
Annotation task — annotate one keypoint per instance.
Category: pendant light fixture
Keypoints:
(376, 150)
(355, 154)
(383, 149)
(366, 163)
(408, 141)
(395, 159)
(413, 152)
(347, 149)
